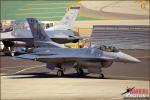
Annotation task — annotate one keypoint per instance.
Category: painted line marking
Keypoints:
(47, 4)
(120, 98)
(33, 66)
(39, 13)
(26, 69)
(42, 8)
(120, 76)
(47, 17)
(10, 67)
(8, 70)
(19, 66)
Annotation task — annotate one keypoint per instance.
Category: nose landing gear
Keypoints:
(60, 73)
(101, 76)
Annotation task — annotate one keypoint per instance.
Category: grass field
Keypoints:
(40, 9)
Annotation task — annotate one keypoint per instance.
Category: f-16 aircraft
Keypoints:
(60, 33)
(51, 53)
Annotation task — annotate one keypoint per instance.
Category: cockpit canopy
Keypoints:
(108, 48)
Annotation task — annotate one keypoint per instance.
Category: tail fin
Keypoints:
(37, 31)
(70, 17)
(41, 39)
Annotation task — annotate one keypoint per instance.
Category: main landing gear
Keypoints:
(80, 71)
(60, 72)
(101, 75)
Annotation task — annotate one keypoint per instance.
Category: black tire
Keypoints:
(60, 73)
(12, 54)
(101, 76)
(80, 71)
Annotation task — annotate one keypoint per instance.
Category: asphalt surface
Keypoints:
(111, 14)
(138, 71)
(29, 87)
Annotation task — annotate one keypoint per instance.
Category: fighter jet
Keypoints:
(56, 57)
(61, 33)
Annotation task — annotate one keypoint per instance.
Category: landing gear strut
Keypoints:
(60, 71)
(80, 71)
(9, 51)
(101, 75)
(12, 53)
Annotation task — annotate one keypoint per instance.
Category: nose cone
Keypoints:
(127, 58)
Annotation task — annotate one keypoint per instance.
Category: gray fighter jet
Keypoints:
(54, 56)
(61, 33)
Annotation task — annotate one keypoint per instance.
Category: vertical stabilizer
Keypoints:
(37, 31)
(70, 17)
(41, 39)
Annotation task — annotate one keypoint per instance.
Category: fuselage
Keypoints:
(24, 35)
(85, 57)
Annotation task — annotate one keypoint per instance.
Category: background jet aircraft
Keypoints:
(60, 33)
(53, 55)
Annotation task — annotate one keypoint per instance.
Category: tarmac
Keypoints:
(39, 83)
(113, 10)
(52, 88)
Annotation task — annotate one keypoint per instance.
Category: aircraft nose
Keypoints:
(127, 58)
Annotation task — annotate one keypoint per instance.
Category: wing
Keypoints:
(59, 57)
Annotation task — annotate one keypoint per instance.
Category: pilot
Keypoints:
(108, 49)
(103, 48)
(111, 48)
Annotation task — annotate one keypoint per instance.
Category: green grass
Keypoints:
(42, 10)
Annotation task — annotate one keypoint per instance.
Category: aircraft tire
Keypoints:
(60, 73)
(12, 54)
(80, 71)
(101, 76)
